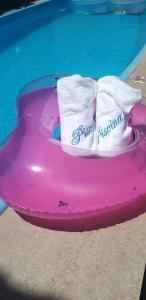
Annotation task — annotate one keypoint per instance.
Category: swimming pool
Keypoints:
(50, 39)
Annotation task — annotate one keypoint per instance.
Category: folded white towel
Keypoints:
(76, 97)
(114, 101)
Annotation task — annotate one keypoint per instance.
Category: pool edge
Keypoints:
(134, 64)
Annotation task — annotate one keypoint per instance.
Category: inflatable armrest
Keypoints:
(138, 115)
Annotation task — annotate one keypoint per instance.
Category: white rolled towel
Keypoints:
(114, 101)
(76, 96)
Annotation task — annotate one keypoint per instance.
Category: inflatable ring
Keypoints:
(50, 188)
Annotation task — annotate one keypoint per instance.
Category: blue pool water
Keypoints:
(3, 206)
(93, 45)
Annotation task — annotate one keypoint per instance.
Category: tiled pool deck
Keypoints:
(103, 264)
(106, 264)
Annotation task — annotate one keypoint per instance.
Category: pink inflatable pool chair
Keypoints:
(53, 189)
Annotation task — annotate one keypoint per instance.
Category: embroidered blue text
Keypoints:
(81, 130)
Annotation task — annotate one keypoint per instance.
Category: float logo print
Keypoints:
(143, 288)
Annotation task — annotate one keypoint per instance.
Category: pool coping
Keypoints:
(17, 10)
(134, 64)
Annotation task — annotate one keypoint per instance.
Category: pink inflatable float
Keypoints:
(50, 188)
